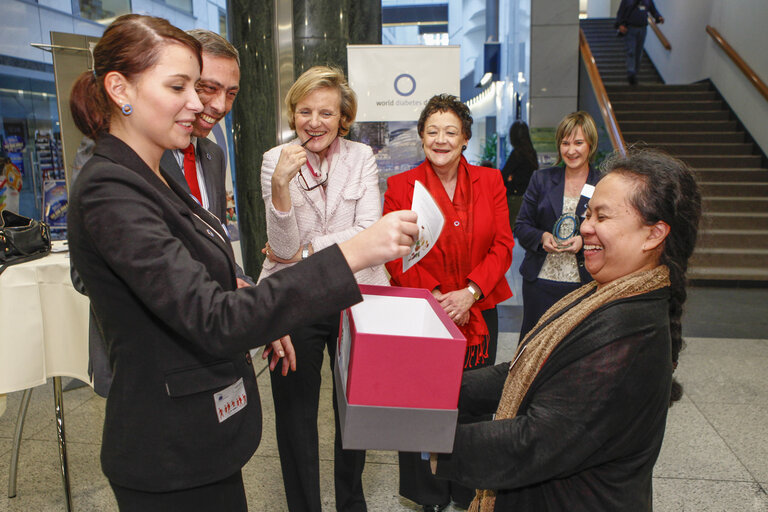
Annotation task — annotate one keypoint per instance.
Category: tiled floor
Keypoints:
(714, 458)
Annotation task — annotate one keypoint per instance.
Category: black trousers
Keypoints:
(227, 494)
(296, 397)
(538, 297)
(417, 483)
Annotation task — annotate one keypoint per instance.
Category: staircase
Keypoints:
(695, 124)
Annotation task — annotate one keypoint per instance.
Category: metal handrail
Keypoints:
(736, 58)
(606, 110)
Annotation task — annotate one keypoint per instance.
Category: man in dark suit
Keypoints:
(201, 169)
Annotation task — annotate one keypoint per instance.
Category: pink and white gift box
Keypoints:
(399, 362)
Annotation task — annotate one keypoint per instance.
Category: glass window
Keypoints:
(182, 5)
(223, 24)
(30, 143)
(101, 11)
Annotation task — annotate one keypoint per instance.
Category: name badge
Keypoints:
(588, 190)
(230, 400)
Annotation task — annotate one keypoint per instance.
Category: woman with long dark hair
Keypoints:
(519, 167)
(183, 413)
(581, 410)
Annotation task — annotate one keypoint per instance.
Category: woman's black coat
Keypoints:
(160, 274)
(590, 427)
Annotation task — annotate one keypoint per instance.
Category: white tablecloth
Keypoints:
(43, 324)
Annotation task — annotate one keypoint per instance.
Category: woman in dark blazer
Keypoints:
(551, 271)
(465, 269)
(183, 413)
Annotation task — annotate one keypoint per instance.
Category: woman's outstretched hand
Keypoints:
(391, 237)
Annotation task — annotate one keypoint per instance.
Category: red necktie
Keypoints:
(190, 172)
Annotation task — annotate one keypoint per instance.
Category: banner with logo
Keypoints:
(393, 83)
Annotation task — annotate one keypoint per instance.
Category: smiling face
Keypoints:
(164, 103)
(317, 117)
(574, 150)
(616, 240)
(443, 140)
(218, 87)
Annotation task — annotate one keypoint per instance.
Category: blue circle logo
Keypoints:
(402, 81)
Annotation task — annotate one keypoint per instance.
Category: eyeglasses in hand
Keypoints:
(303, 180)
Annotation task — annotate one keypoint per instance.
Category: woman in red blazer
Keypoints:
(465, 269)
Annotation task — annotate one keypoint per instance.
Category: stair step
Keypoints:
(730, 257)
(659, 95)
(727, 161)
(684, 137)
(621, 77)
(667, 105)
(678, 126)
(731, 188)
(727, 273)
(683, 115)
(634, 89)
(621, 67)
(735, 204)
(714, 238)
(686, 148)
(752, 175)
(734, 220)
(620, 58)
(623, 80)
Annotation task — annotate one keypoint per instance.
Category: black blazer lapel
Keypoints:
(205, 222)
(212, 172)
(555, 193)
(171, 167)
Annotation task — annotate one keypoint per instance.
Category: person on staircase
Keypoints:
(632, 24)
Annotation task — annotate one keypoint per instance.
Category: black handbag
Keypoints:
(22, 239)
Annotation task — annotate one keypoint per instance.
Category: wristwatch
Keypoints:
(474, 291)
(305, 252)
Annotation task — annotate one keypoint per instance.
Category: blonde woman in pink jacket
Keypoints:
(318, 189)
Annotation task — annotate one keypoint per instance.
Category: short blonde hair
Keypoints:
(319, 77)
(569, 124)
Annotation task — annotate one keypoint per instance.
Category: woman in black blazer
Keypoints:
(183, 412)
(551, 271)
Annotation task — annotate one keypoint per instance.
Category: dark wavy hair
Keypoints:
(520, 138)
(130, 45)
(666, 191)
(447, 103)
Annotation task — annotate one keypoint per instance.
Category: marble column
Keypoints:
(251, 24)
(322, 29)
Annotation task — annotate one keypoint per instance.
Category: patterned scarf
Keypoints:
(539, 343)
(456, 245)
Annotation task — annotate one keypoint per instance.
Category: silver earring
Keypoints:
(126, 109)
(464, 147)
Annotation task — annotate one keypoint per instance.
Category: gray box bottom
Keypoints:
(405, 429)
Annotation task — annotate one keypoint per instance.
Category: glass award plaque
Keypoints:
(566, 227)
